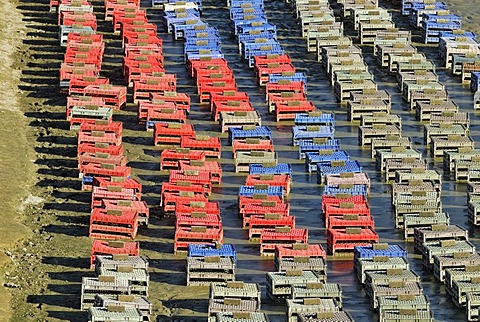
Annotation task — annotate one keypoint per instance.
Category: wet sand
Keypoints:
(46, 269)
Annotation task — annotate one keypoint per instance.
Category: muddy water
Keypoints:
(50, 285)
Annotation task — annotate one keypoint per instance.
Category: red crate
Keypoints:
(215, 76)
(124, 182)
(105, 247)
(300, 250)
(170, 200)
(111, 193)
(208, 144)
(193, 65)
(153, 84)
(91, 40)
(171, 133)
(185, 186)
(288, 110)
(181, 100)
(147, 38)
(335, 200)
(170, 158)
(99, 148)
(191, 176)
(257, 200)
(210, 208)
(229, 106)
(107, 127)
(283, 97)
(142, 47)
(251, 144)
(164, 115)
(226, 96)
(207, 88)
(350, 221)
(345, 208)
(112, 5)
(213, 167)
(114, 96)
(284, 86)
(82, 101)
(271, 238)
(100, 158)
(259, 223)
(103, 170)
(198, 219)
(139, 206)
(84, 19)
(210, 71)
(276, 180)
(145, 106)
(69, 71)
(133, 70)
(196, 235)
(84, 55)
(99, 137)
(113, 224)
(263, 71)
(77, 85)
(146, 28)
(127, 17)
(268, 59)
(282, 209)
(345, 239)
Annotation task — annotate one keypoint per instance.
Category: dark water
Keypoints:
(305, 195)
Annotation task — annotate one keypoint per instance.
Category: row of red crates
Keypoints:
(117, 208)
(285, 97)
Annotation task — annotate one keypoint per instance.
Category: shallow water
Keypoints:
(305, 195)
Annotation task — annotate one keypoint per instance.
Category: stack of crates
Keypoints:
(433, 24)
(303, 257)
(119, 278)
(208, 265)
(393, 288)
(419, 9)
(234, 298)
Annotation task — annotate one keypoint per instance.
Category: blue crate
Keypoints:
(87, 180)
(243, 3)
(189, 12)
(212, 43)
(248, 46)
(453, 35)
(247, 29)
(434, 18)
(296, 77)
(279, 168)
(309, 146)
(369, 252)
(431, 30)
(180, 29)
(170, 21)
(313, 158)
(326, 168)
(211, 32)
(327, 119)
(422, 6)
(475, 81)
(155, 3)
(419, 9)
(199, 250)
(249, 191)
(197, 2)
(252, 37)
(301, 132)
(239, 13)
(355, 190)
(195, 49)
(260, 132)
(238, 23)
(197, 56)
